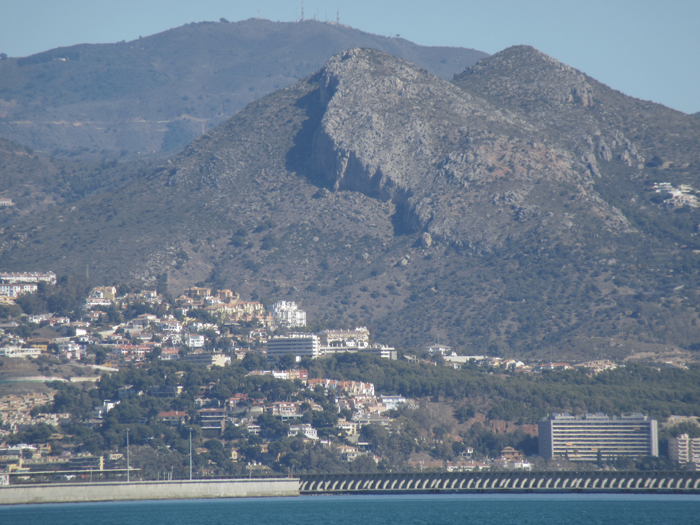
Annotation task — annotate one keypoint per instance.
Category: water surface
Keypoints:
(479, 509)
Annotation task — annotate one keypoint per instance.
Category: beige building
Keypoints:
(207, 360)
(684, 449)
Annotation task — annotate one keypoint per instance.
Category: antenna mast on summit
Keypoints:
(302, 10)
(337, 15)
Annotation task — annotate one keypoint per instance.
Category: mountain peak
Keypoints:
(525, 53)
(346, 68)
(517, 58)
(525, 74)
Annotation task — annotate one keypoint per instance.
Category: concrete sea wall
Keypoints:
(148, 490)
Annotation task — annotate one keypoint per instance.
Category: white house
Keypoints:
(194, 340)
(71, 350)
(170, 326)
(305, 429)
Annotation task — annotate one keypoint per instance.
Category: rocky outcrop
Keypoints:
(397, 133)
(598, 125)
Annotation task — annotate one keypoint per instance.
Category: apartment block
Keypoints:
(597, 436)
(299, 345)
(684, 449)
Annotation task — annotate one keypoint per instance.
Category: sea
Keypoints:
(482, 509)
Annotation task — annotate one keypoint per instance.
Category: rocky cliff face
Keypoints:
(509, 212)
(460, 168)
(562, 103)
(576, 112)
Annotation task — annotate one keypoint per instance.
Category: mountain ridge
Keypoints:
(155, 94)
(478, 225)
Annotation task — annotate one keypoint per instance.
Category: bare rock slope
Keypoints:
(394, 132)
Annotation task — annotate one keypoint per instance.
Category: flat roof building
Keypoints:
(298, 345)
(596, 436)
(207, 360)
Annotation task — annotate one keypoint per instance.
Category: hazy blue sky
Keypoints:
(646, 48)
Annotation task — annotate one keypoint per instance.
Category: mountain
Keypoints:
(155, 94)
(523, 209)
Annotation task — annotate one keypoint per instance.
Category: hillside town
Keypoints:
(208, 327)
(115, 338)
(202, 326)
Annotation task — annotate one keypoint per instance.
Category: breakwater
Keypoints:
(686, 482)
(668, 482)
(147, 490)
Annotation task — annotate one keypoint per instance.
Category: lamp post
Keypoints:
(128, 478)
(190, 454)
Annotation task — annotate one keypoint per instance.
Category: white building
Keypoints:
(12, 351)
(15, 290)
(356, 339)
(597, 436)
(350, 427)
(288, 315)
(92, 302)
(298, 345)
(519, 465)
(393, 402)
(383, 351)
(28, 277)
(170, 326)
(194, 340)
(39, 318)
(305, 429)
(71, 350)
(438, 349)
(107, 405)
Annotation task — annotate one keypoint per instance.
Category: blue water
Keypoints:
(373, 510)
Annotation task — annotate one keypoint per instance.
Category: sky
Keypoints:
(648, 49)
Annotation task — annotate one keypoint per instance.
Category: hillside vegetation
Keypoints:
(462, 409)
(515, 211)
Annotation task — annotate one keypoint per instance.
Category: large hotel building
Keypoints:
(596, 436)
(299, 345)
